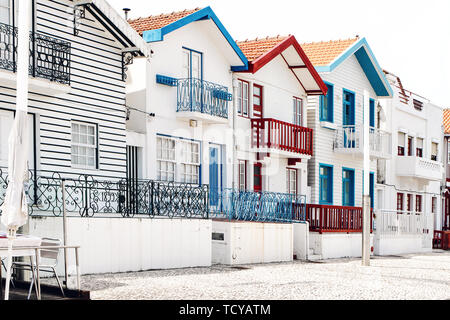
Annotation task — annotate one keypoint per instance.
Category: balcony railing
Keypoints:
(284, 136)
(87, 196)
(196, 95)
(410, 166)
(258, 206)
(391, 222)
(49, 57)
(351, 138)
(325, 219)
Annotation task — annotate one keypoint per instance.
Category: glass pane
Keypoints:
(256, 91)
(256, 101)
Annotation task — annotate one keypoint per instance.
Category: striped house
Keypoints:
(79, 51)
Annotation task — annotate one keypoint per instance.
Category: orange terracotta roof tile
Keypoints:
(447, 121)
(159, 21)
(253, 49)
(324, 53)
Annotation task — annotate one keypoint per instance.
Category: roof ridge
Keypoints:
(330, 41)
(263, 38)
(165, 14)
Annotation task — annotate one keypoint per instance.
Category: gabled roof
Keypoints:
(261, 51)
(165, 24)
(118, 26)
(327, 56)
(447, 121)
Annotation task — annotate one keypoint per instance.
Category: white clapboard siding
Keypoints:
(348, 75)
(97, 95)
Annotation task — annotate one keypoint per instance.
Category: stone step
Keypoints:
(315, 257)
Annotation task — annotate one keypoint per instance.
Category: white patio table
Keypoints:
(23, 246)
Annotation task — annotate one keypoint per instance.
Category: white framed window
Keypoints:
(242, 97)
(291, 181)
(190, 161)
(419, 148)
(298, 111)
(242, 175)
(165, 159)
(84, 145)
(401, 143)
(434, 151)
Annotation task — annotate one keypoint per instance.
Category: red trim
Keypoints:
(293, 162)
(261, 102)
(257, 188)
(257, 64)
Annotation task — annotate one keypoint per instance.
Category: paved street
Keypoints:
(424, 276)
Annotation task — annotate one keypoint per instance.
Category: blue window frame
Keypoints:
(372, 189)
(325, 184)
(327, 104)
(372, 113)
(348, 187)
(348, 98)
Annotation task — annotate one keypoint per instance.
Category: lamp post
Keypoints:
(366, 195)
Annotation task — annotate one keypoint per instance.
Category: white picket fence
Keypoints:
(389, 222)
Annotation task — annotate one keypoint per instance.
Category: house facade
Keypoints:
(335, 171)
(446, 179)
(273, 141)
(408, 185)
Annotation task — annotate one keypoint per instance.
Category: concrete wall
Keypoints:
(111, 245)
(337, 245)
(252, 243)
(395, 245)
(301, 240)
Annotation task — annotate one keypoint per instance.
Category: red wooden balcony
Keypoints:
(325, 219)
(275, 134)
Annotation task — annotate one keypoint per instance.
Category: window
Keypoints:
(165, 159)
(242, 96)
(326, 184)
(5, 11)
(409, 203)
(190, 161)
(257, 177)
(401, 143)
(348, 187)
(291, 181)
(418, 204)
(372, 113)
(410, 146)
(84, 145)
(242, 175)
(418, 105)
(434, 205)
(257, 101)
(298, 111)
(327, 105)
(192, 64)
(434, 151)
(399, 202)
(419, 148)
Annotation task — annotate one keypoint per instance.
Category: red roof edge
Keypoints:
(257, 64)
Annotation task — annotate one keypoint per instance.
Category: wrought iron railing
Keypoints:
(49, 57)
(196, 95)
(259, 206)
(89, 197)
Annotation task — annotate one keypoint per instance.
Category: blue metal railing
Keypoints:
(258, 206)
(196, 95)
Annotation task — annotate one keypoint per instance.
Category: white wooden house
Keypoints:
(335, 171)
(408, 191)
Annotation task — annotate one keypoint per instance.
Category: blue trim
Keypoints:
(330, 184)
(352, 105)
(372, 188)
(369, 64)
(372, 113)
(168, 81)
(206, 13)
(330, 95)
(352, 187)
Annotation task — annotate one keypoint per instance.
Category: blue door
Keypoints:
(348, 188)
(214, 176)
(348, 120)
(372, 190)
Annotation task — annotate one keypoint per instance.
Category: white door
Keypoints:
(192, 64)
(6, 122)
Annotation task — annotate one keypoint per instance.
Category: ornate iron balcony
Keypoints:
(195, 95)
(49, 57)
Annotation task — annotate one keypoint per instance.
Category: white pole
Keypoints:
(366, 198)
(23, 49)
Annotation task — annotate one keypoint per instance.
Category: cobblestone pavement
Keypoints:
(425, 276)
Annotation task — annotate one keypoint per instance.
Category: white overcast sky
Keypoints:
(410, 38)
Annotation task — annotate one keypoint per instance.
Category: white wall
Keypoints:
(252, 243)
(111, 245)
(337, 245)
(301, 240)
(396, 245)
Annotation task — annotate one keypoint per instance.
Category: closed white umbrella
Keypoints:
(15, 209)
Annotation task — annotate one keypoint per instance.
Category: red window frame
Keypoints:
(410, 143)
(288, 171)
(399, 202)
(258, 108)
(419, 203)
(257, 188)
(242, 114)
(409, 203)
(242, 162)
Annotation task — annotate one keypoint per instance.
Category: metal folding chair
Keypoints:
(47, 263)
